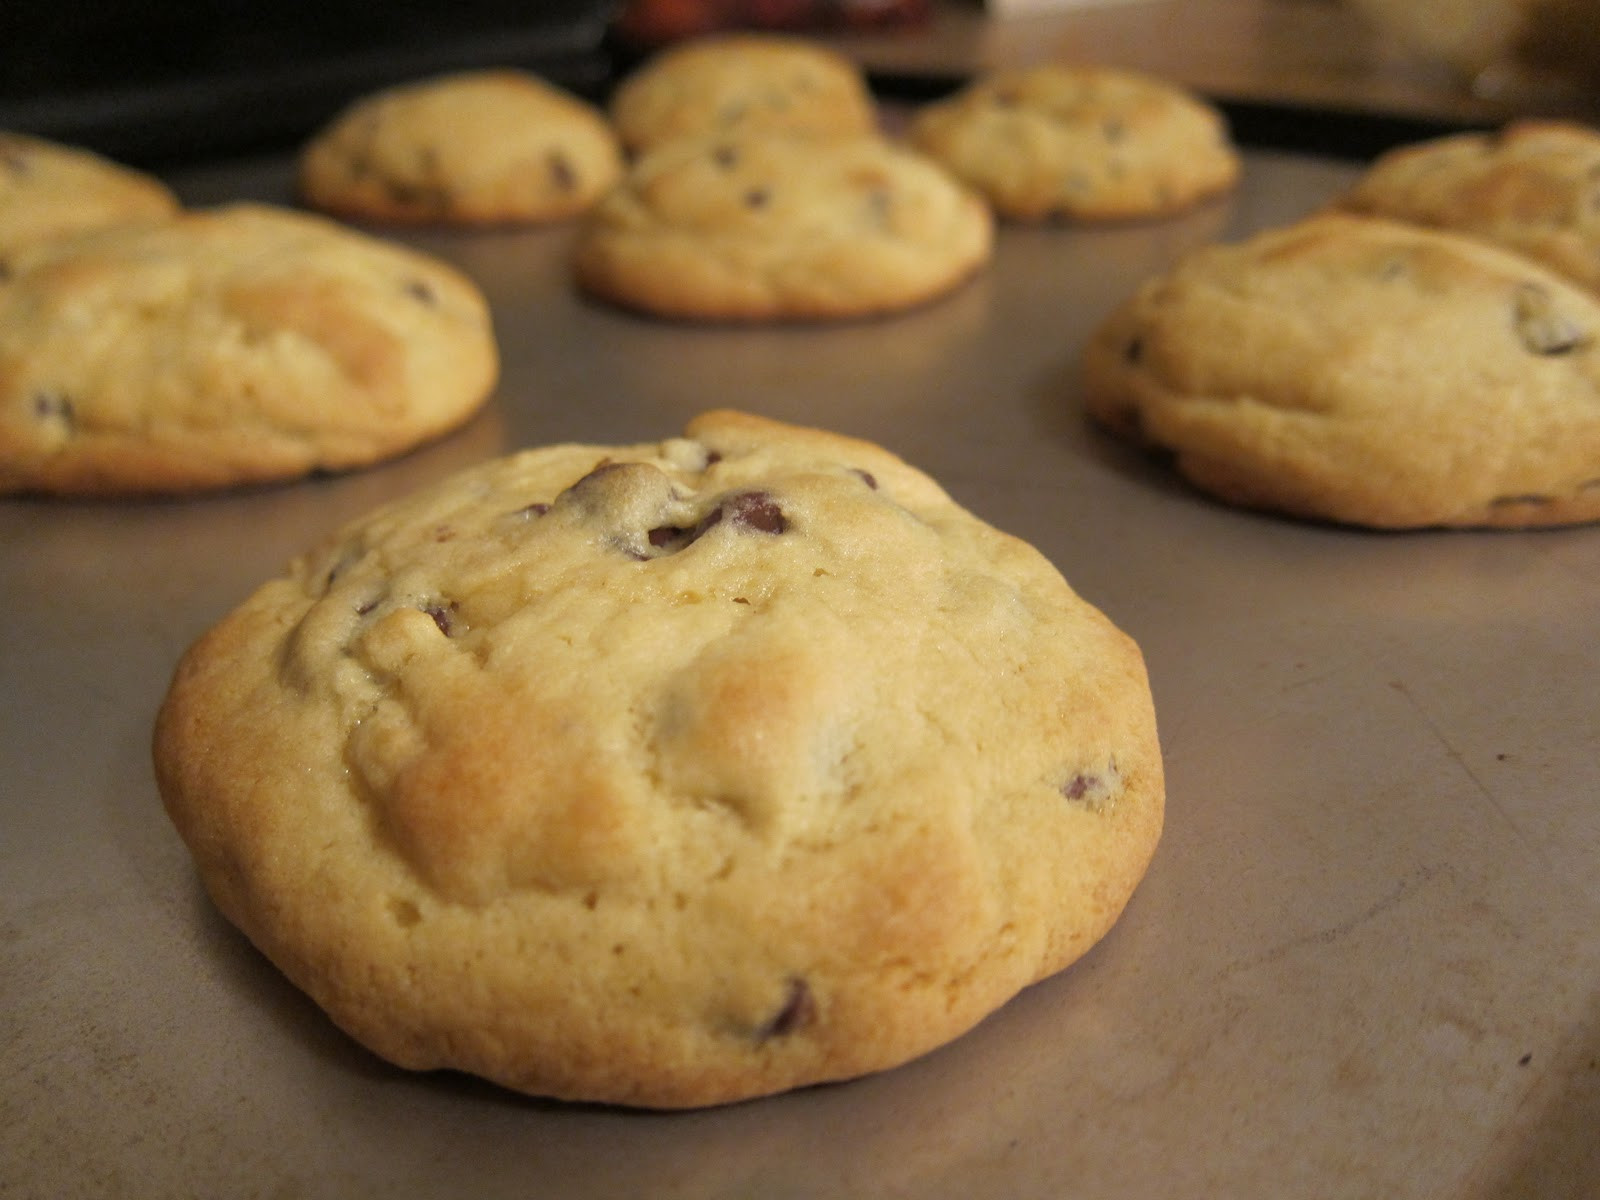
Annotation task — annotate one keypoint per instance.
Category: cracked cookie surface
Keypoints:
(472, 148)
(1078, 143)
(1364, 371)
(227, 346)
(774, 228)
(669, 774)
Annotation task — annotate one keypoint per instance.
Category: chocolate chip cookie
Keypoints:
(473, 148)
(1533, 187)
(49, 190)
(742, 83)
(228, 346)
(667, 774)
(1080, 143)
(767, 227)
(1365, 371)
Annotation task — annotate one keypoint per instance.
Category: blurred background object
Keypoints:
(1519, 50)
(153, 81)
(653, 22)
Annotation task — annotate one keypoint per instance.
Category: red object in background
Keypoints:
(652, 22)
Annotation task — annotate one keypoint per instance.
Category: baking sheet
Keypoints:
(1365, 961)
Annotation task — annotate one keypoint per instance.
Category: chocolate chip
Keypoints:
(421, 290)
(1093, 789)
(1079, 786)
(1133, 352)
(443, 615)
(757, 198)
(51, 405)
(537, 509)
(1542, 329)
(713, 457)
(866, 477)
(562, 172)
(757, 510)
(725, 156)
(799, 1010)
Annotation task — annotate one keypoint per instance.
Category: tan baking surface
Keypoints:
(1365, 963)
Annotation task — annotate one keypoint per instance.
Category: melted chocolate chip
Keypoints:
(444, 616)
(756, 510)
(799, 1010)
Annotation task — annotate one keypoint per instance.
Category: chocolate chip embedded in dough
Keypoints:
(562, 173)
(55, 406)
(444, 615)
(799, 1010)
(756, 510)
(1541, 328)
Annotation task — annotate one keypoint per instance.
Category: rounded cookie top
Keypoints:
(667, 774)
(227, 346)
(474, 148)
(742, 82)
(1080, 143)
(770, 227)
(1534, 187)
(1364, 371)
(48, 190)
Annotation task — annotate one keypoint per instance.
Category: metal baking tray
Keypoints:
(1365, 961)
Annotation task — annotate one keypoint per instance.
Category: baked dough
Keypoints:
(667, 774)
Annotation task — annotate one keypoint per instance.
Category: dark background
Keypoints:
(163, 81)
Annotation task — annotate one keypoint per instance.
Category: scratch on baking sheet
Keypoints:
(1332, 934)
(1460, 761)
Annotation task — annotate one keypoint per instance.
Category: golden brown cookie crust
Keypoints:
(1364, 371)
(49, 190)
(742, 83)
(473, 148)
(1534, 187)
(669, 774)
(1080, 143)
(774, 228)
(229, 346)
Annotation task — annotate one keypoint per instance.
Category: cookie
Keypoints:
(739, 83)
(475, 148)
(769, 227)
(666, 775)
(1080, 143)
(1364, 371)
(49, 190)
(228, 346)
(1533, 187)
